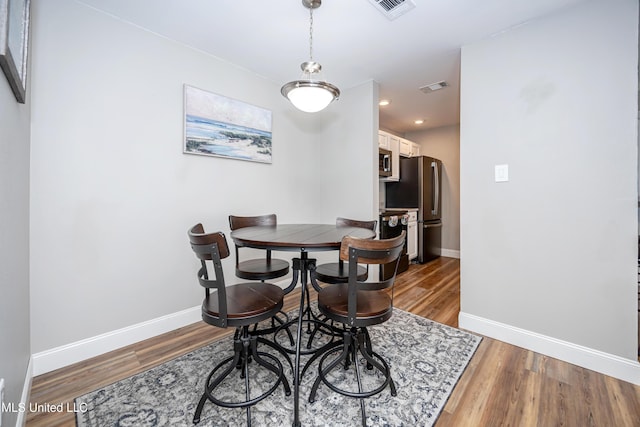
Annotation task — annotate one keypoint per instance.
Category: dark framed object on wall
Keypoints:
(14, 44)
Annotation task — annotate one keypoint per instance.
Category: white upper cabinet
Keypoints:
(415, 149)
(405, 147)
(383, 140)
(409, 148)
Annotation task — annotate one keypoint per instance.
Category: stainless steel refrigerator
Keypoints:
(420, 186)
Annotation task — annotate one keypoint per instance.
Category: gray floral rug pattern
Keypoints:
(426, 360)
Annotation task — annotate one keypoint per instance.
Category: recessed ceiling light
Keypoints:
(384, 102)
(419, 122)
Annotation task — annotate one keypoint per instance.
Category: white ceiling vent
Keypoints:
(393, 8)
(434, 86)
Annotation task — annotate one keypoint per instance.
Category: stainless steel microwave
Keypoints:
(384, 162)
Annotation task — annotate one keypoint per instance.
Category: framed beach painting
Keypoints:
(215, 125)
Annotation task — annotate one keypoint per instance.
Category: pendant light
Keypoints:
(309, 94)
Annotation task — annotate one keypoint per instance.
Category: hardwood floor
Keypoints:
(502, 386)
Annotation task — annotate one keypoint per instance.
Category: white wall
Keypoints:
(444, 143)
(348, 155)
(14, 246)
(553, 251)
(112, 193)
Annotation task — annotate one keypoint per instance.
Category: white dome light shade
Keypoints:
(310, 96)
(306, 94)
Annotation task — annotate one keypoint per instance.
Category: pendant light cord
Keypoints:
(311, 34)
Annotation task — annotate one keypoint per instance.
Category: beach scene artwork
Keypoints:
(218, 126)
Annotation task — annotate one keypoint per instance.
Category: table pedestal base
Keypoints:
(301, 268)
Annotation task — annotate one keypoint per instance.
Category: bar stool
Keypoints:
(357, 305)
(338, 272)
(237, 306)
(262, 269)
(266, 268)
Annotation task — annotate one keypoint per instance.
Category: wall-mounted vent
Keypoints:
(393, 8)
(434, 86)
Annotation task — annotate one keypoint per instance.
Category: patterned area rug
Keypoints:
(426, 360)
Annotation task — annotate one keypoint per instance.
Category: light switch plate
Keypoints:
(502, 173)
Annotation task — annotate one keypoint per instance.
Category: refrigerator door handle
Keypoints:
(436, 225)
(436, 193)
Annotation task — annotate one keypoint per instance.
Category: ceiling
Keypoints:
(352, 39)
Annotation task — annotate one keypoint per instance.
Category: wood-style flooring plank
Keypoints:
(503, 385)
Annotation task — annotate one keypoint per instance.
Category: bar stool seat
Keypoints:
(335, 300)
(262, 269)
(246, 300)
(338, 272)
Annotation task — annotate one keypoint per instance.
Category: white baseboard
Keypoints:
(21, 421)
(66, 355)
(595, 360)
(59, 357)
(451, 253)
